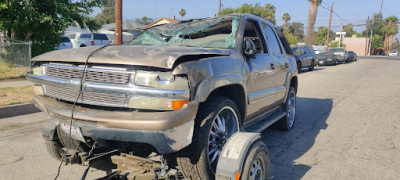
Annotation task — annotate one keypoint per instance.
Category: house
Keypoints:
(160, 22)
(354, 43)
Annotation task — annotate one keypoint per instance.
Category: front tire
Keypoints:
(287, 122)
(217, 120)
(311, 68)
(54, 149)
(299, 66)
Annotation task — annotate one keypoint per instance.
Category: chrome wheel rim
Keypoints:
(257, 170)
(291, 111)
(224, 125)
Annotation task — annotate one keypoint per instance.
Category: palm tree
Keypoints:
(270, 12)
(390, 29)
(182, 12)
(286, 18)
(312, 16)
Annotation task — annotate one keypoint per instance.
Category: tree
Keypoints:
(182, 12)
(336, 44)
(321, 35)
(312, 16)
(297, 29)
(291, 38)
(349, 30)
(267, 11)
(144, 20)
(390, 29)
(286, 18)
(44, 21)
(107, 14)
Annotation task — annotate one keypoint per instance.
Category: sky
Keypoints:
(350, 11)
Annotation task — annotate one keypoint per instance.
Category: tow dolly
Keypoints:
(244, 156)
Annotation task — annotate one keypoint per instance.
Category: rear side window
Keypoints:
(285, 43)
(65, 39)
(88, 36)
(71, 36)
(100, 36)
(272, 42)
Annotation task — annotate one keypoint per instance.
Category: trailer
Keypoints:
(244, 157)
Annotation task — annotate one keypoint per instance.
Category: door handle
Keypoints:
(272, 66)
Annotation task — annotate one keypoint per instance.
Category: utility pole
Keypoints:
(219, 9)
(118, 22)
(329, 28)
(366, 39)
(370, 39)
(380, 12)
(341, 31)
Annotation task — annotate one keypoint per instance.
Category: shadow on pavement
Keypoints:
(286, 147)
(315, 69)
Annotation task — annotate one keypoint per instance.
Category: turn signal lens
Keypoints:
(178, 104)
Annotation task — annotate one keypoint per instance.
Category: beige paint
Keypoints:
(354, 43)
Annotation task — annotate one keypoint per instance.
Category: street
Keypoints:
(347, 127)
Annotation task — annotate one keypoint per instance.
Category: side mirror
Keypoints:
(249, 48)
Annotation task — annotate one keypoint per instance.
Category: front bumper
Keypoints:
(325, 62)
(167, 131)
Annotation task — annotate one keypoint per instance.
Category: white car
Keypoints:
(65, 43)
(88, 39)
(394, 52)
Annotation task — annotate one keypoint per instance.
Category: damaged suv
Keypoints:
(180, 90)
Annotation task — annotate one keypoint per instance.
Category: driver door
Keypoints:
(260, 83)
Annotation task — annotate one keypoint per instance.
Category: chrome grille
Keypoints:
(92, 75)
(94, 98)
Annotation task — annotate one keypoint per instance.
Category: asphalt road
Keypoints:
(347, 127)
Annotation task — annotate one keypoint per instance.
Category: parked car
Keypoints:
(100, 39)
(326, 58)
(340, 53)
(351, 56)
(65, 43)
(394, 52)
(305, 57)
(88, 39)
(177, 89)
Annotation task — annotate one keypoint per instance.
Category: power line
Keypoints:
(336, 14)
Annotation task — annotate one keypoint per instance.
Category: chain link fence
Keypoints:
(16, 53)
(15, 59)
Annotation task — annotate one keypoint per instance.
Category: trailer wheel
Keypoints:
(257, 164)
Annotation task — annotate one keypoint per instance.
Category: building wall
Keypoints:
(356, 44)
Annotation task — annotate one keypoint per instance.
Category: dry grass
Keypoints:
(9, 72)
(10, 96)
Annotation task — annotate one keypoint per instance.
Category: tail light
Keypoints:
(92, 43)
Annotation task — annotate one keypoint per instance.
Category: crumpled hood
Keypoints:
(154, 56)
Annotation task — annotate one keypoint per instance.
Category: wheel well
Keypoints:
(234, 92)
(294, 83)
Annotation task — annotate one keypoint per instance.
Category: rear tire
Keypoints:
(287, 122)
(257, 164)
(197, 161)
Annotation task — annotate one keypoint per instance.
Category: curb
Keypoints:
(18, 110)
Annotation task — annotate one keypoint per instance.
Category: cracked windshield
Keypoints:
(209, 33)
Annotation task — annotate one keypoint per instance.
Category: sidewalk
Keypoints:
(15, 83)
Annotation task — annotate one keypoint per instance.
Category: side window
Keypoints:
(285, 43)
(252, 32)
(305, 50)
(85, 36)
(272, 42)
